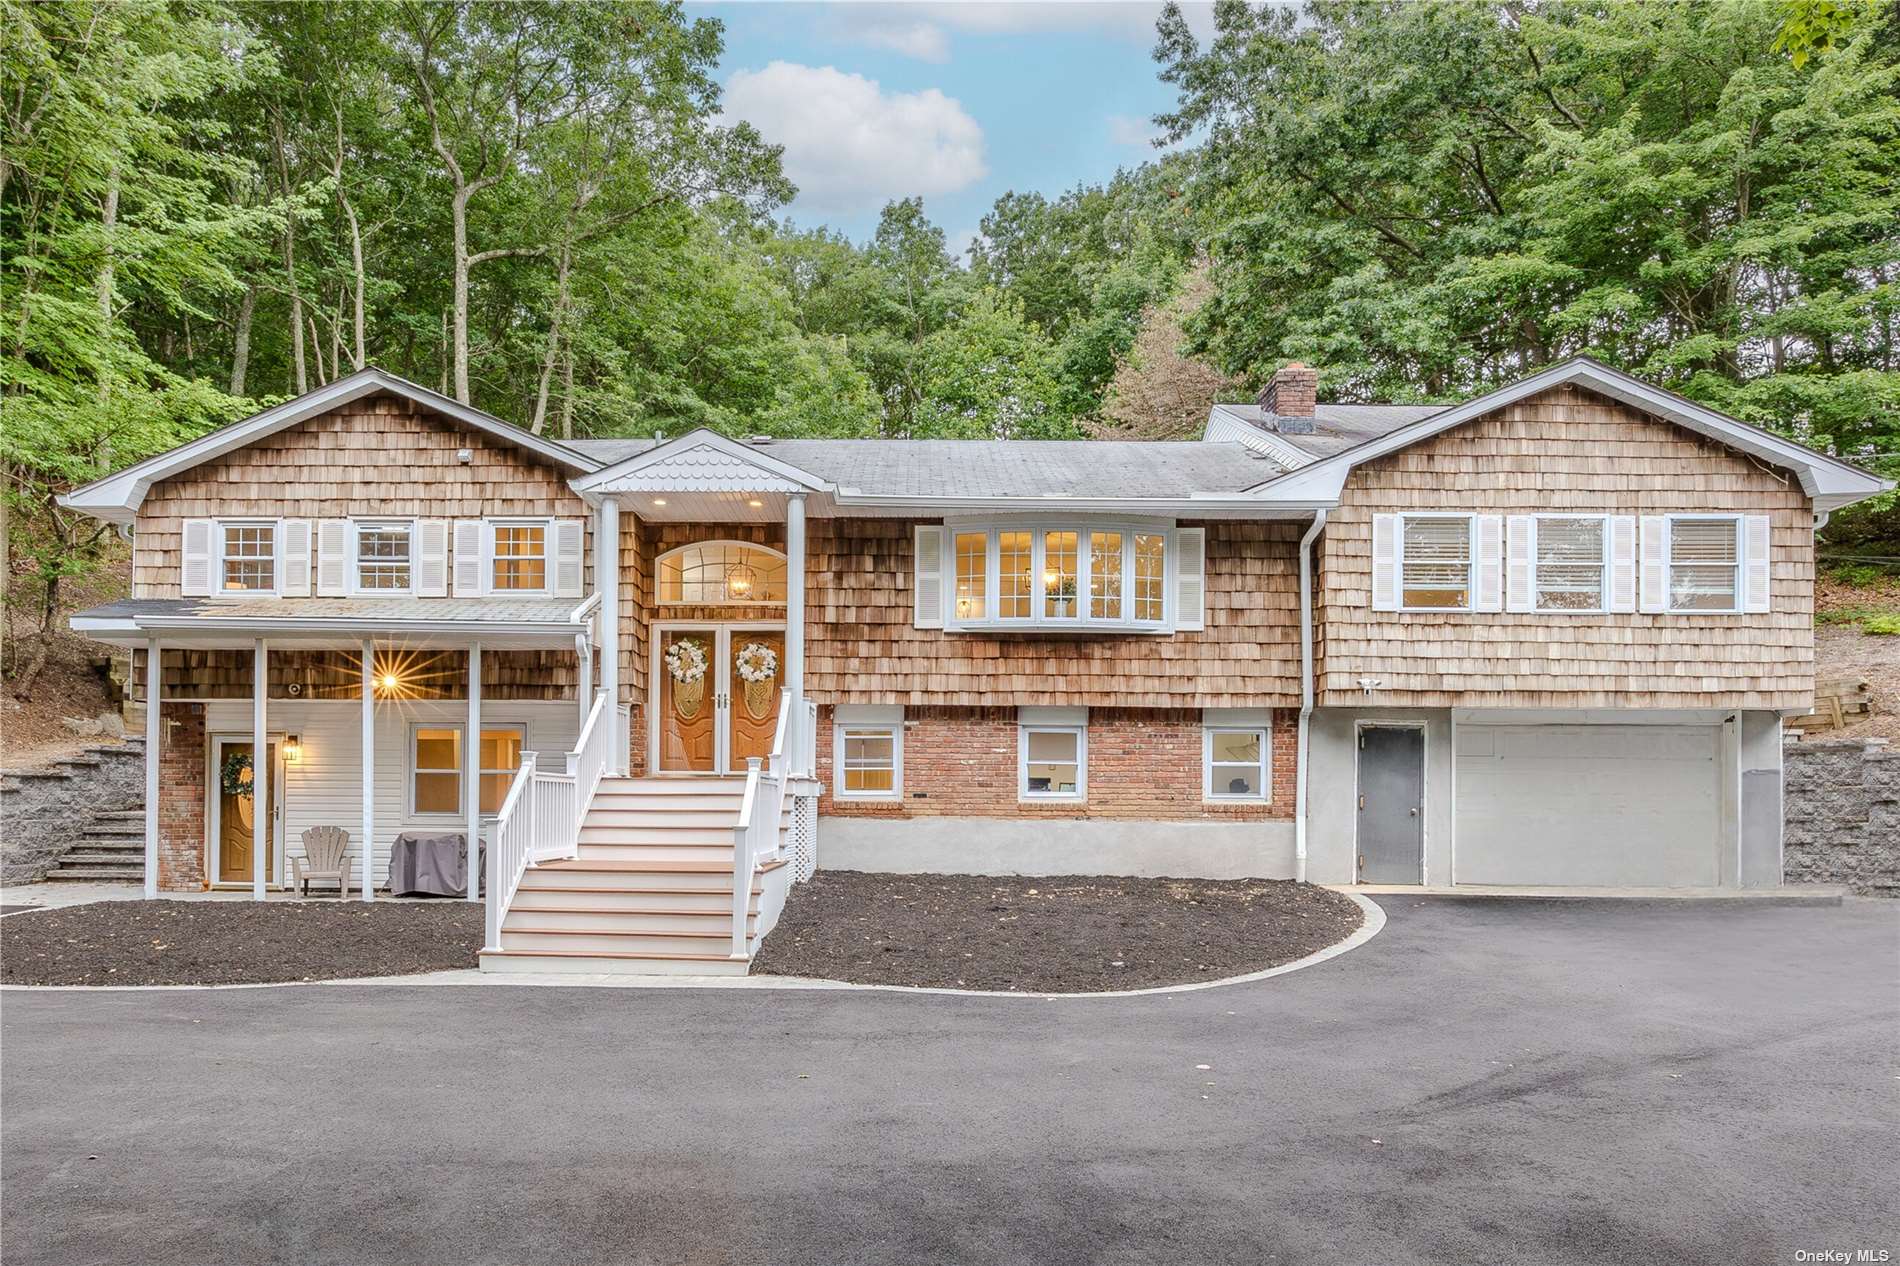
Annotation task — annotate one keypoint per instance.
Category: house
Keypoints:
(1543, 637)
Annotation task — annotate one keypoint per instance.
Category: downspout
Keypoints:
(1306, 694)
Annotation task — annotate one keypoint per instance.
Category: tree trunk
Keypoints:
(458, 352)
(554, 344)
(300, 380)
(316, 346)
(241, 341)
(567, 387)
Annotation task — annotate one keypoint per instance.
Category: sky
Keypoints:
(956, 102)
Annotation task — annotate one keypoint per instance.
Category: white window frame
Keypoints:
(218, 529)
(1081, 793)
(482, 771)
(1209, 789)
(357, 527)
(725, 600)
(461, 766)
(895, 731)
(491, 558)
(1738, 567)
(1085, 528)
(1603, 563)
(1471, 560)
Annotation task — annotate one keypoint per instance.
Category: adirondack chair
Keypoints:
(323, 859)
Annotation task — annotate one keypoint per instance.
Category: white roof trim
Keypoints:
(700, 461)
(1224, 427)
(1830, 482)
(117, 497)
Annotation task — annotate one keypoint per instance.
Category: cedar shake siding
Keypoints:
(1566, 450)
(378, 457)
(1144, 764)
(861, 645)
(327, 674)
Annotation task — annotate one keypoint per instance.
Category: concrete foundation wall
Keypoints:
(1843, 815)
(1333, 790)
(1070, 846)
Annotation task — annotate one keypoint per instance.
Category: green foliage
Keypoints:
(991, 375)
(1430, 200)
(1887, 625)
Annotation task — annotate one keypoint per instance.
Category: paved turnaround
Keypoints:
(1483, 1082)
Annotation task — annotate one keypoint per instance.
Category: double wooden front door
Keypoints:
(232, 851)
(716, 696)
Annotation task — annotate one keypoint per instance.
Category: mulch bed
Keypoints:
(1071, 934)
(235, 942)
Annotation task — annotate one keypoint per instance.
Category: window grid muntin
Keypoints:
(1061, 573)
(972, 551)
(385, 557)
(1017, 592)
(1150, 567)
(1015, 574)
(521, 557)
(1569, 567)
(1218, 783)
(699, 575)
(1441, 559)
(247, 557)
(864, 753)
(1107, 564)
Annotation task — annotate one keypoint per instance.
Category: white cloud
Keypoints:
(920, 29)
(1126, 129)
(849, 145)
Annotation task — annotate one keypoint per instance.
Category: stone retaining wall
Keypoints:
(1842, 800)
(43, 813)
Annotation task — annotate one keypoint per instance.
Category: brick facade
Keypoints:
(181, 798)
(1143, 764)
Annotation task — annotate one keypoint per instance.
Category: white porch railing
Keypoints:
(541, 816)
(757, 836)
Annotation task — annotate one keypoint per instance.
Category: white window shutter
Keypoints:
(432, 558)
(569, 536)
(1520, 533)
(194, 569)
(927, 581)
(1190, 579)
(470, 544)
(1487, 562)
(1385, 562)
(1655, 563)
(333, 558)
(1757, 572)
(293, 558)
(1623, 562)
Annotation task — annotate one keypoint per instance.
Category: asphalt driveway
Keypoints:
(1483, 1082)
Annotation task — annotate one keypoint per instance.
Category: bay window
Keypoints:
(1064, 575)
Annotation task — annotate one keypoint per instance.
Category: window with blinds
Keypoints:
(1570, 565)
(1435, 569)
(1704, 564)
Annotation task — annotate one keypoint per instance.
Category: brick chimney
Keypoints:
(1288, 401)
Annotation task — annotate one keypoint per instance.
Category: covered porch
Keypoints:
(379, 718)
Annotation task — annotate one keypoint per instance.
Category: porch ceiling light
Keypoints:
(659, 501)
(755, 503)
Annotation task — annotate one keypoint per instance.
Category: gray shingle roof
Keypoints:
(1338, 427)
(1007, 468)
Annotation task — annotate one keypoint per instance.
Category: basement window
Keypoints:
(1235, 767)
(1054, 762)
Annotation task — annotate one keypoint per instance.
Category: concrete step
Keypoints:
(585, 916)
(537, 940)
(111, 874)
(123, 832)
(112, 844)
(635, 897)
(83, 856)
(618, 964)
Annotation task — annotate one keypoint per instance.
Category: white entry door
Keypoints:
(1589, 805)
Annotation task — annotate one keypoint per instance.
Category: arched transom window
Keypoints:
(721, 573)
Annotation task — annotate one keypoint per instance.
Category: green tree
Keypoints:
(991, 374)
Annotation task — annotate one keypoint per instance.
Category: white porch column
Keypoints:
(795, 620)
(153, 729)
(262, 806)
(472, 771)
(607, 584)
(583, 680)
(365, 878)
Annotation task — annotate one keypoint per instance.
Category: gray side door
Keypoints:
(1391, 805)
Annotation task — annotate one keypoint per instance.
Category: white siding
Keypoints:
(324, 787)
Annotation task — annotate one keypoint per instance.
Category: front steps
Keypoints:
(111, 847)
(650, 892)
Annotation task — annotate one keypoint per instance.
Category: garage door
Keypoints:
(1585, 805)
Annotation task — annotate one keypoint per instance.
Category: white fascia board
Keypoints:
(117, 497)
(625, 475)
(1244, 505)
(1830, 481)
(1224, 428)
(265, 626)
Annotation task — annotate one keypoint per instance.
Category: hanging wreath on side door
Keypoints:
(236, 775)
(758, 668)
